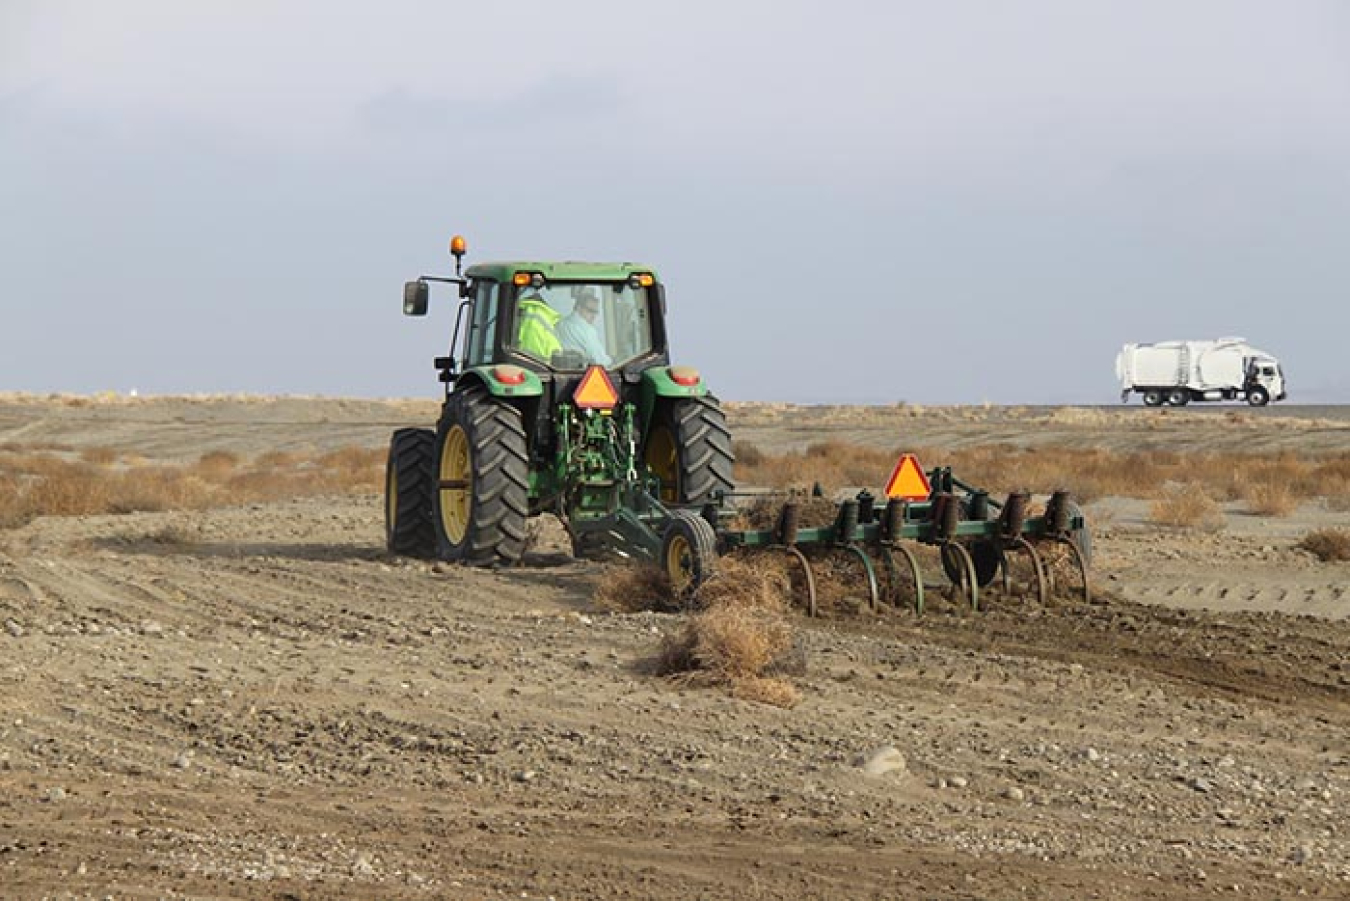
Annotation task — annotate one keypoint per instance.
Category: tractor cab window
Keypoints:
(483, 328)
(570, 325)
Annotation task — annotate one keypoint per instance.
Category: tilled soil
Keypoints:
(259, 702)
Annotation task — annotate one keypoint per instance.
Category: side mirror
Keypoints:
(415, 298)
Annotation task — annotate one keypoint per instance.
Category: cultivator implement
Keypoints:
(925, 531)
(976, 540)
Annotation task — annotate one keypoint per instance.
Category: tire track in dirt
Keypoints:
(1322, 596)
(1277, 660)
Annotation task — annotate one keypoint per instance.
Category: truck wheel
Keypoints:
(1178, 397)
(1153, 398)
(1258, 396)
(409, 485)
(689, 450)
(482, 490)
(688, 551)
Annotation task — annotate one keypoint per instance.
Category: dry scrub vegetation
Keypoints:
(1327, 544)
(738, 634)
(1186, 506)
(53, 481)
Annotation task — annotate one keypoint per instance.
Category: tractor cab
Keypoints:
(566, 325)
(553, 318)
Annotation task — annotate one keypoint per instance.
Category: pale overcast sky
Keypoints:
(854, 202)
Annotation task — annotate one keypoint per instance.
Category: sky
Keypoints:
(851, 202)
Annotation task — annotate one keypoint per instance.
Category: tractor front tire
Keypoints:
(482, 485)
(689, 449)
(409, 485)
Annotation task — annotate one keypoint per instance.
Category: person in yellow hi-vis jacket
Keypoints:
(535, 321)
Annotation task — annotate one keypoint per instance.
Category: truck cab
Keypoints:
(1264, 381)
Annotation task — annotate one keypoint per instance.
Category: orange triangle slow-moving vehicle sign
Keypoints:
(595, 391)
(908, 481)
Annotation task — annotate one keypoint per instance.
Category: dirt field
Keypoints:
(259, 702)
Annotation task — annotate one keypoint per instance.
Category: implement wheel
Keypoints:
(482, 487)
(965, 585)
(985, 557)
(689, 449)
(688, 552)
(409, 487)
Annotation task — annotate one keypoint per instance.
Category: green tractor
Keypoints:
(560, 398)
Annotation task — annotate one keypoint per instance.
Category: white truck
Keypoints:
(1178, 372)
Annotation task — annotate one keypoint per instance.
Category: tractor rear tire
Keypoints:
(1178, 397)
(1153, 398)
(688, 552)
(482, 481)
(409, 486)
(689, 449)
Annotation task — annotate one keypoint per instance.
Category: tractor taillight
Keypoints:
(641, 280)
(684, 375)
(508, 375)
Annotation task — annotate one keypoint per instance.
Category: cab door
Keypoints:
(480, 342)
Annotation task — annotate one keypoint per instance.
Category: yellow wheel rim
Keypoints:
(391, 497)
(454, 501)
(664, 462)
(679, 563)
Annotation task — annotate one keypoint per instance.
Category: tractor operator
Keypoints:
(537, 320)
(578, 331)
